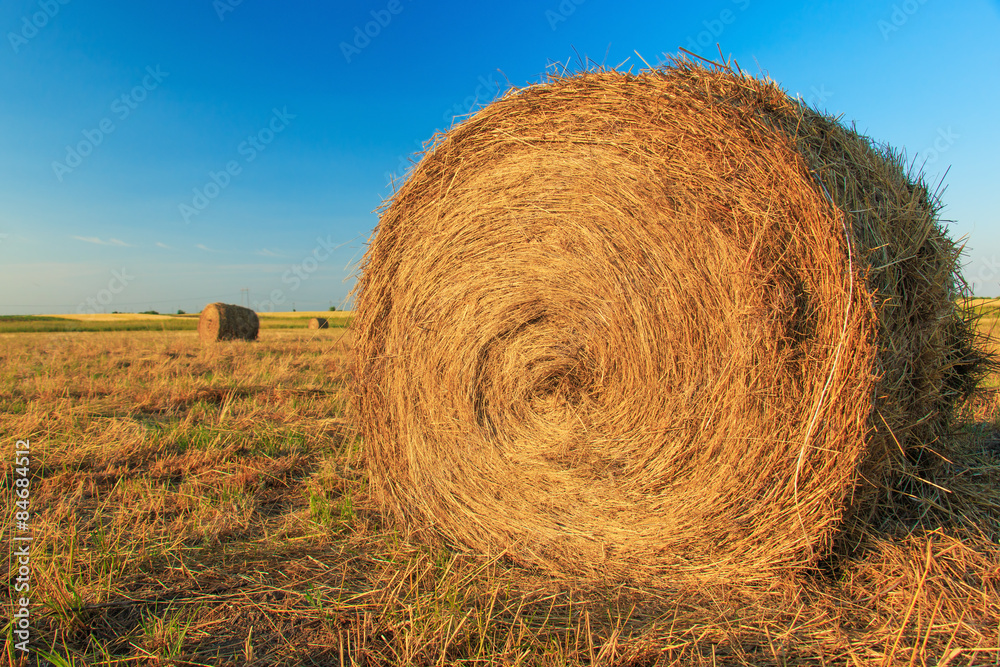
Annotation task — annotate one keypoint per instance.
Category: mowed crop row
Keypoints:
(142, 322)
(208, 505)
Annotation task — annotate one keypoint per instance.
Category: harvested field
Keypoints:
(209, 505)
(138, 322)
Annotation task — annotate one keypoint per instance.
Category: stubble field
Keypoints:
(208, 505)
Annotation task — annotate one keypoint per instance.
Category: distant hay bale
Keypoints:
(657, 326)
(224, 321)
(319, 323)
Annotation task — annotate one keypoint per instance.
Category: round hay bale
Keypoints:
(224, 321)
(655, 326)
(319, 323)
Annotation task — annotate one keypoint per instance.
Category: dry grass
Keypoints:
(210, 506)
(329, 314)
(118, 317)
(110, 317)
(660, 327)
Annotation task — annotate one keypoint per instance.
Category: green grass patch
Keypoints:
(58, 324)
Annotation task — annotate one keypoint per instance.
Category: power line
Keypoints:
(116, 302)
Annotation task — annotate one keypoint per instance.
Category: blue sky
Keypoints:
(166, 155)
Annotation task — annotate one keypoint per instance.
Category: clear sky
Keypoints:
(166, 155)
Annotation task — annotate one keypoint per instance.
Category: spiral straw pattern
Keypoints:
(654, 326)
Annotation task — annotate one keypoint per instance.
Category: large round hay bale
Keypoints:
(319, 323)
(224, 321)
(664, 325)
